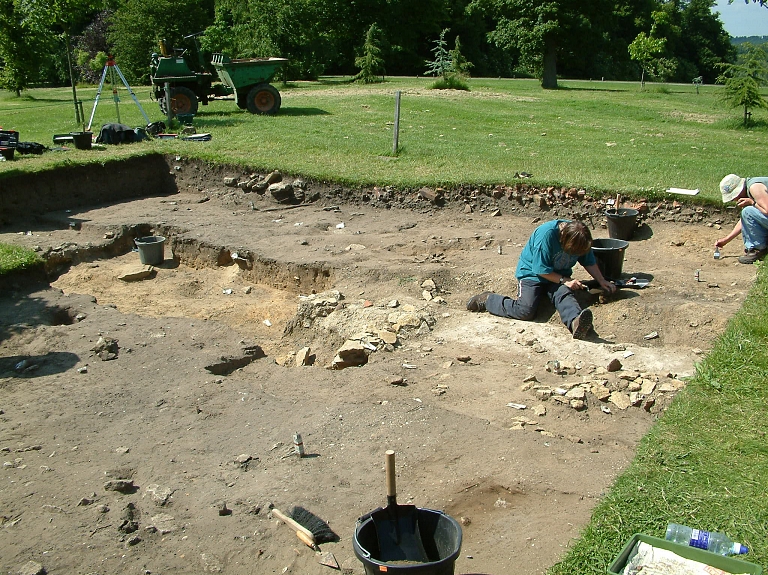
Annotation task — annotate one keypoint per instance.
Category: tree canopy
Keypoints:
(542, 38)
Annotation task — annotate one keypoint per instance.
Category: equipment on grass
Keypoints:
(180, 84)
(113, 69)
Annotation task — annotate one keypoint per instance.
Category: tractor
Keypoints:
(247, 79)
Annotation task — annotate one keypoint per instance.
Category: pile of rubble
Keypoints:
(520, 197)
(364, 327)
(608, 386)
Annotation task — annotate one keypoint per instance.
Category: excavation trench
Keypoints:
(198, 401)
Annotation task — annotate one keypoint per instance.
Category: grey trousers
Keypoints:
(529, 294)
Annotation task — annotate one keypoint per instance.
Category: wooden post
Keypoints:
(397, 123)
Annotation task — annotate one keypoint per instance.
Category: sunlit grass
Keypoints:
(13, 258)
(602, 136)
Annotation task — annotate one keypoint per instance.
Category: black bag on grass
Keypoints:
(119, 134)
(30, 148)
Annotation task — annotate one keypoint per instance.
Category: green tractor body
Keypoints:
(246, 79)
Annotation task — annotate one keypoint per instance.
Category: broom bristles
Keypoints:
(319, 528)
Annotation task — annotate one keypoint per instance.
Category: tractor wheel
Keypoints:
(183, 101)
(263, 99)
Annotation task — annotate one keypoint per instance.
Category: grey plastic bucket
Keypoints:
(621, 223)
(151, 250)
(440, 535)
(610, 256)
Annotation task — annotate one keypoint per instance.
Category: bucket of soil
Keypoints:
(621, 223)
(82, 140)
(406, 539)
(151, 250)
(7, 153)
(610, 256)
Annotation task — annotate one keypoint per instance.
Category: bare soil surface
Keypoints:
(146, 426)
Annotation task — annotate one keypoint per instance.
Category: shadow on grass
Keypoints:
(596, 89)
(240, 117)
(303, 112)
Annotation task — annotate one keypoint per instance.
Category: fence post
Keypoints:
(397, 123)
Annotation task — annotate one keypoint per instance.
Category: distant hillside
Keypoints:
(755, 40)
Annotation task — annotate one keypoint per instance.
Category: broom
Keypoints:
(308, 526)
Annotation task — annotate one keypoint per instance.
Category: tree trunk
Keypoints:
(549, 77)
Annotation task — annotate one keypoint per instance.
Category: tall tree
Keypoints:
(19, 58)
(706, 43)
(647, 51)
(138, 26)
(543, 30)
(744, 79)
(371, 63)
(304, 31)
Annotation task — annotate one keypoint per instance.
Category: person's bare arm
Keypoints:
(595, 272)
(555, 277)
(759, 198)
(734, 233)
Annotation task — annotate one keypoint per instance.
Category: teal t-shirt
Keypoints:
(543, 254)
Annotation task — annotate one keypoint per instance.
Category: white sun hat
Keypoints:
(731, 186)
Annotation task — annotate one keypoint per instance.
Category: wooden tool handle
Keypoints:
(390, 471)
(307, 540)
(301, 532)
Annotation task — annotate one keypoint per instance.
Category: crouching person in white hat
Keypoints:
(751, 195)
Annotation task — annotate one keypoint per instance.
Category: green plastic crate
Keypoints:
(728, 564)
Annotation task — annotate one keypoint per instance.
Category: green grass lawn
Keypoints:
(603, 136)
(13, 258)
(705, 463)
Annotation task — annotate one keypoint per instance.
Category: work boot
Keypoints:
(752, 255)
(582, 324)
(477, 302)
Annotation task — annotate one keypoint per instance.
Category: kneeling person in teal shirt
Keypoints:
(545, 267)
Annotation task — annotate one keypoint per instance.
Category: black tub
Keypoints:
(610, 256)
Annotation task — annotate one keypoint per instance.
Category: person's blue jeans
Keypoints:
(529, 294)
(754, 228)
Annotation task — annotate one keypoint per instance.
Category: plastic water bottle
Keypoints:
(711, 541)
(717, 253)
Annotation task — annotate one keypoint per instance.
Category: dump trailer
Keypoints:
(248, 80)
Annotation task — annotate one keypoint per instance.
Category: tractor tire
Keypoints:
(263, 99)
(183, 101)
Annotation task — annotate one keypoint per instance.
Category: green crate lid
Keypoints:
(728, 564)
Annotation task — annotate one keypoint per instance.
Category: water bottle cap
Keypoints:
(739, 549)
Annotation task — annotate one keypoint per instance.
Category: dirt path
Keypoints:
(198, 409)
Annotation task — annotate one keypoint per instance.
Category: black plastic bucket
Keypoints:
(151, 250)
(621, 223)
(610, 256)
(440, 535)
(82, 140)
